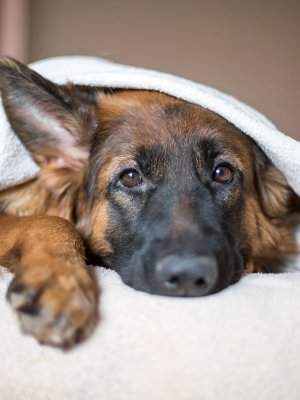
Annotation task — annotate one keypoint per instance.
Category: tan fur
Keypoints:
(98, 221)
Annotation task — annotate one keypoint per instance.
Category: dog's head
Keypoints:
(169, 194)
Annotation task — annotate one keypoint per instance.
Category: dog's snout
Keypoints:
(187, 276)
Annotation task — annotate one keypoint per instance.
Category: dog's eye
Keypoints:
(222, 174)
(130, 178)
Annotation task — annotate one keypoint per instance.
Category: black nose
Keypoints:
(186, 276)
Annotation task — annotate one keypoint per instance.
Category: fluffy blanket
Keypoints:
(240, 343)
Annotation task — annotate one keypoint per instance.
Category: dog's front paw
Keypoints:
(57, 309)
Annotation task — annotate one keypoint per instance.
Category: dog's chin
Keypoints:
(146, 288)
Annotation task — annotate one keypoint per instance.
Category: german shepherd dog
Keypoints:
(169, 194)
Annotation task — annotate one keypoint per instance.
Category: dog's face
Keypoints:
(169, 179)
(169, 194)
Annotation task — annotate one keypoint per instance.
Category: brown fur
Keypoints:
(38, 239)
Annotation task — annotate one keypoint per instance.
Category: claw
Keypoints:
(20, 295)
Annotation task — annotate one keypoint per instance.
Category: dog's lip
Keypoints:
(237, 275)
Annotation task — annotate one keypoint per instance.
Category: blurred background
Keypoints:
(250, 49)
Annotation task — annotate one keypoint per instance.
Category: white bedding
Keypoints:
(242, 343)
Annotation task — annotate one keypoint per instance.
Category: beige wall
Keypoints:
(14, 28)
(248, 48)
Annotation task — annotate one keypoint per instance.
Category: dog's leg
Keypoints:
(52, 291)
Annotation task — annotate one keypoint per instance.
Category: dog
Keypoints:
(169, 194)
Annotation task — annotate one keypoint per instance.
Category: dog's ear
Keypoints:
(52, 121)
(270, 238)
(273, 189)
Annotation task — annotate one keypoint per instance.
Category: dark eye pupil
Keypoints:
(130, 178)
(220, 171)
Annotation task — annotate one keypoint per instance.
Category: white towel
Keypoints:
(241, 343)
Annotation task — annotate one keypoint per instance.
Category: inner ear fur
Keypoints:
(54, 122)
(274, 192)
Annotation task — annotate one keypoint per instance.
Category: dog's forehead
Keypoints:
(138, 117)
(160, 132)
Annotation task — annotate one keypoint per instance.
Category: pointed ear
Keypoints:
(273, 189)
(52, 121)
